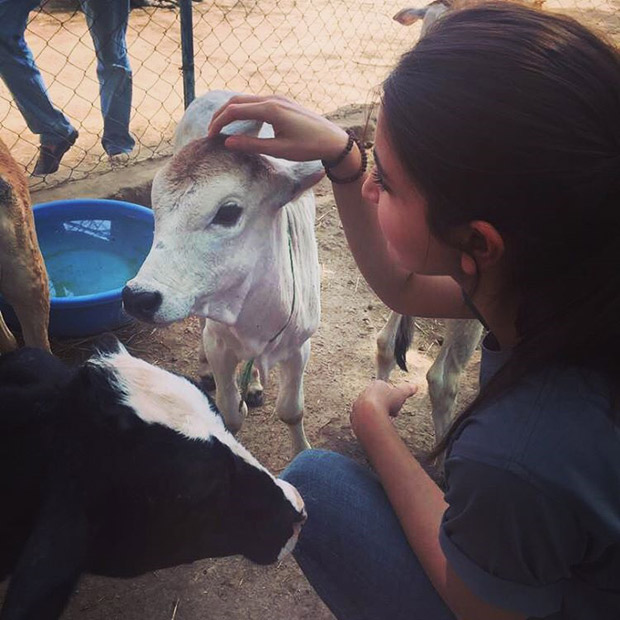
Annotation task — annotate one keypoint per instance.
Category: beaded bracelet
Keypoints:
(347, 149)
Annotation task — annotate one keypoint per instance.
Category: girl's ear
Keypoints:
(482, 247)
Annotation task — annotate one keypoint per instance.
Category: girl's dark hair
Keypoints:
(510, 115)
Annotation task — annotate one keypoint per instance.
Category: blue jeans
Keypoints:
(107, 22)
(352, 548)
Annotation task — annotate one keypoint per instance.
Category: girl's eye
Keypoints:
(376, 177)
(228, 215)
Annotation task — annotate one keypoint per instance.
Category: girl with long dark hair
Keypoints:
(495, 193)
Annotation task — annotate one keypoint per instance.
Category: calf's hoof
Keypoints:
(207, 382)
(255, 398)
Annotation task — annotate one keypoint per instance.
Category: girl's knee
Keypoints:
(324, 478)
(314, 466)
(305, 467)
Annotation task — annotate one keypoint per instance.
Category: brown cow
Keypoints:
(23, 277)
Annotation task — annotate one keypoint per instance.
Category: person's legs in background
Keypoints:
(352, 548)
(107, 21)
(23, 79)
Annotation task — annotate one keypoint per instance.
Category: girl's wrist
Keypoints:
(349, 162)
(336, 143)
(367, 417)
(350, 165)
(375, 433)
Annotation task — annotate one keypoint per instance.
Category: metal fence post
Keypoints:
(187, 52)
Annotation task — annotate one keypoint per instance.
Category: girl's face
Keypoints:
(402, 215)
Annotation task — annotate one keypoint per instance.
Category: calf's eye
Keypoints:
(227, 215)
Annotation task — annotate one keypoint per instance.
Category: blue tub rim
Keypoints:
(94, 299)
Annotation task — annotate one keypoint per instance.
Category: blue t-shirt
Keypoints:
(533, 487)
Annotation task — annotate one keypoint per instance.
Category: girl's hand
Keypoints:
(300, 135)
(379, 401)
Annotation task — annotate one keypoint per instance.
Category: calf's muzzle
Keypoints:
(141, 304)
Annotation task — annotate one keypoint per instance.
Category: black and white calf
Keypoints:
(118, 468)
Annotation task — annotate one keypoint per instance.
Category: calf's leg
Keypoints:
(255, 389)
(204, 369)
(290, 401)
(255, 394)
(461, 338)
(33, 316)
(223, 363)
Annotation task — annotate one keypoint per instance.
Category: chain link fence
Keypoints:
(325, 53)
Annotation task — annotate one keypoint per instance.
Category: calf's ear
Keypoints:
(50, 563)
(293, 178)
(108, 343)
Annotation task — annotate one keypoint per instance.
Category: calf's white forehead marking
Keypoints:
(160, 397)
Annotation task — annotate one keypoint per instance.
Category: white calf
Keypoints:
(234, 243)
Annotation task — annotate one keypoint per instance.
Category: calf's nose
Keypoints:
(141, 304)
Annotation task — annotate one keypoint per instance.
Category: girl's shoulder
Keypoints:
(555, 430)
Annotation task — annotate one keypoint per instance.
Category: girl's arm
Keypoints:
(417, 501)
(302, 135)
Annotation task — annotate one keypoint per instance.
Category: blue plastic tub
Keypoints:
(91, 247)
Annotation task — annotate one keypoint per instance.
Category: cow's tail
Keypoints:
(402, 342)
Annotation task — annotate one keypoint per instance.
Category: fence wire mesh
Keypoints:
(324, 53)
